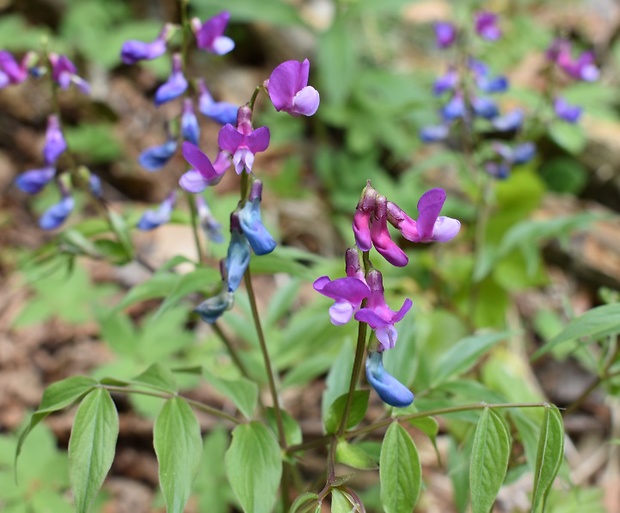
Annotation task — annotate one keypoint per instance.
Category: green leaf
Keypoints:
(242, 392)
(158, 286)
(354, 456)
(91, 446)
(157, 377)
(595, 324)
(286, 260)
(121, 229)
(193, 281)
(304, 503)
(359, 405)
(94, 142)
(340, 503)
(271, 11)
(292, 430)
(338, 378)
(56, 397)
(464, 355)
(399, 471)
(489, 462)
(178, 446)
(254, 467)
(567, 136)
(549, 457)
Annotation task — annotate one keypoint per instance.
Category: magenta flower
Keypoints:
(378, 315)
(210, 34)
(381, 238)
(243, 142)
(445, 34)
(55, 143)
(10, 71)
(134, 51)
(348, 294)
(289, 90)
(430, 226)
(203, 172)
(64, 73)
(486, 26)
(176, 84)
(362, 217)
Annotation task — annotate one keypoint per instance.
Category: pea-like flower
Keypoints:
(212, 308)
(238, 256)
(510, 156)
(508, 122)
(156, 157)
(56, 215)
(134, 51)
(243, 143)
(484, 107)
(176, 84)
(455, 108)
(10, 71)
(203, 172)
(210, 34)
(389, 389)
(486, 26)
(447, 82)
(430, 226)
(445, 34)
(251, 222)
(583, 68)
(190, 129)
(381, 238)
(154, 218)
(222, 112)
(55, 143)
(566, 111)
(35, 180)
(209, 224)
(434, 133)
(64, 73)
(378, 315)
(289, 90)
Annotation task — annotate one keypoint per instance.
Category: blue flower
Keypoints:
(389, 389)
(252, 225)
(156, 157)
(154, 218)
(176, 84)
(484, 107)
(567, 112)
(430, 134)
(238, 257)
(511, 121)
(190, 130)
(35, 180)
(455, 108)
(54, 216)
(55, 143)
(212, 309)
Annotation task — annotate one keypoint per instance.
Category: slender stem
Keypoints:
(324, 440)
(163, 395)
(232, 351)
(254, 96)
(355, 374)
(263, 346)
(195, 221)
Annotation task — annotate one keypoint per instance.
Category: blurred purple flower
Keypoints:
(154, 218)
(243, 142)
(190, 129)
(64, 73)
(435, 133)
(203, 172)
(565, 111)
(34, 180)
(55, 143)
(134, 51)
(446, 82)
(484, 107)
(445, 34)
(455, 108)
(10, 71)
(510, 121)
(176, 84)
(54, 216)
(156, 157)
(94, 183)
(222, 112)
(583, 68)
(211, 227)
(388, 388)
(210, 34)
(289, 90)
(486, 26)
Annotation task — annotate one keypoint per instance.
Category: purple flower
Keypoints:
(484, 107)
(362, 217)
(64, 73)
(500, 170)
(378, 315)
(446, 82)
(523, 153)
(154, 218)
(583, 68)
(289, 90)
(203, 172)
(238, 256)
(455, 108)
(156, 157)
(511, 121)
(348, 294)
(243, 142)
(209, 35)
(54, 216)
(486, 26)
(190, 130)
(55, 143)
(214, 307)
(35, 180)
(252, 225)
(435, 133)
(430, 226)
(10, 71)
(135, 51)
(489, 85)
(208, 223)
(389, 389)
(565, 111)
(380, 235)
(176, 84)
(445, 34)
(222, 112)
(94, 183)
(510, 156)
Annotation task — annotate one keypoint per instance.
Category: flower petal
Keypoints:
(429, 206)
(389, 389)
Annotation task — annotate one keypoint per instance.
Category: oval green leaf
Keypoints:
(399, 471)
(254, 467)
(92, 446)
(549, 457)
(489, 460)
(157, 377)
(359, 406)
(241, 391)
(178, 446)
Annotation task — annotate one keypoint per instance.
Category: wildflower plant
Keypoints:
(379, 391)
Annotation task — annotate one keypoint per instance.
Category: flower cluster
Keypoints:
(581, 68)
(467, 92)
(361, 296)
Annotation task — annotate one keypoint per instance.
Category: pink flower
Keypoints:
(210, 34)
(289, 90)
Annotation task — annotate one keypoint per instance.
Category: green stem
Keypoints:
(355, 374)
(232, 351)
(195, 221)
(263, 347)
(163, 395)
(254, 96)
